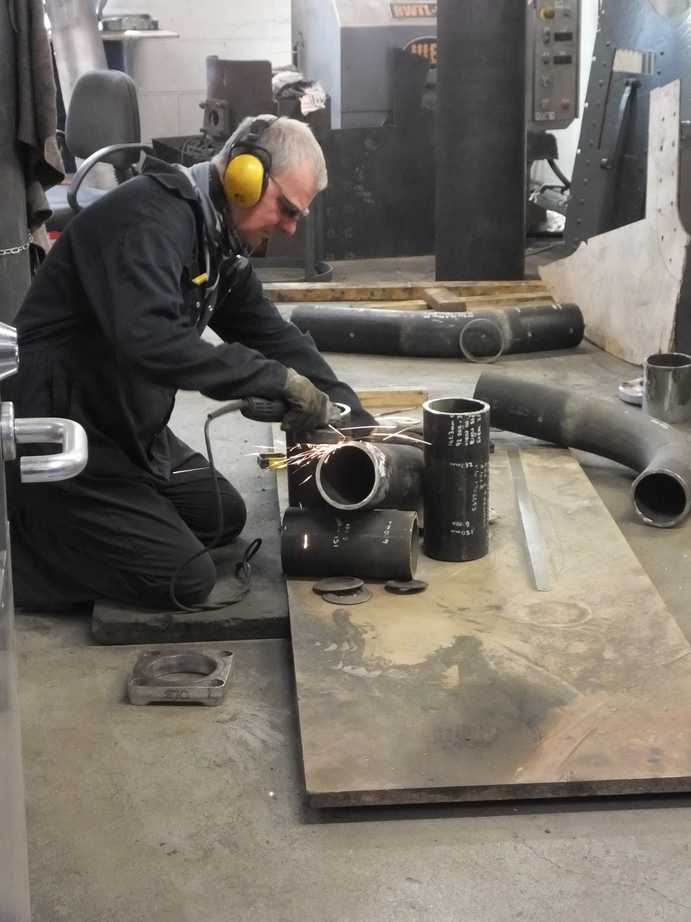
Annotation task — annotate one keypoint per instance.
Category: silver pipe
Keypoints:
(667, 386)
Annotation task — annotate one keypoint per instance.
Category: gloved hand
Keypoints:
(310, 408)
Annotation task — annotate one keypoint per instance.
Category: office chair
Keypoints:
(102, 126)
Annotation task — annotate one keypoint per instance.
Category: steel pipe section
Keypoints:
(363, 475)
(667, 386)
(481, 139)
(302, 488)
(456, 491)
(661, 492)
(378, 544)
(439, 333)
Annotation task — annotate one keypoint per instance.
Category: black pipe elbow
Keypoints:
(661, 492)
(441, 334)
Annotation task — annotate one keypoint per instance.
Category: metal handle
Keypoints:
(60, 466)
(97, 157)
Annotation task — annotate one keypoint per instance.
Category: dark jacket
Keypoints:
(112, 325)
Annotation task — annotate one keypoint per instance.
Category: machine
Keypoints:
(346, 45)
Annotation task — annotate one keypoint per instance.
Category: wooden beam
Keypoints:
(418, 305)
(392, 398)
(403, 291)
(439, 299)
(510, 301)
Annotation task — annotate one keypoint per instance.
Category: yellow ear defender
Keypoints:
(247, 174)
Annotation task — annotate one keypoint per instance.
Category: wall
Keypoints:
(171, 73)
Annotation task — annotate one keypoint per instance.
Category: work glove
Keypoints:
(309, 408)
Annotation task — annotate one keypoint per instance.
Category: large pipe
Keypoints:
(481, 139)
(361, 475)
(379, 544)
(456, 506)
(441, 333)
(661, 492)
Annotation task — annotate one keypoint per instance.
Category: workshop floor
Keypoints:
(176, 814)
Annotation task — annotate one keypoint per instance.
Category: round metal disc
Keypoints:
(338, 584)
(405, 588)
(632, 391)
(348, 598)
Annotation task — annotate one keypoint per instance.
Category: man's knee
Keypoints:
(189, 585)
(234, 513)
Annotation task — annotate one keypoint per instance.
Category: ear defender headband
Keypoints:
(247, 174)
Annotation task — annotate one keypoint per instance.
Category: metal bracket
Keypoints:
(169, 676)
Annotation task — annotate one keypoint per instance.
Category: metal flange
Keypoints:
(180, 677)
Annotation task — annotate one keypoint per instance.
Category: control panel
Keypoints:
(554, 46)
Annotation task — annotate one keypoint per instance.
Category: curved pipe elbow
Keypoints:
(661, 493)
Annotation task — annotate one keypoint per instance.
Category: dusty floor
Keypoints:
(175, 814)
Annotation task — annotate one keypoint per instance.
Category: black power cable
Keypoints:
(243, 569)
(562, 177)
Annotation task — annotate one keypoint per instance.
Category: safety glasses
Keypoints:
(288, 209)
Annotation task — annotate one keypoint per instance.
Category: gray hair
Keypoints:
(289, 142)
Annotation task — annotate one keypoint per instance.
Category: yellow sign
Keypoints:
(425, 48)
(413, 10)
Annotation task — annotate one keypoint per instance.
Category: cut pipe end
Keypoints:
(660, 498)
(349, 477)
(455, 406)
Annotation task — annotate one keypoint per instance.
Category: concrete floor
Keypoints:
(177, 814)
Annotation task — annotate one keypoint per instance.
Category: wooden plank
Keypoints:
(486, 301)
(448, 301)
(392, 398)
(482, 688)
(404, 291)
(418, 305)
(630, 283)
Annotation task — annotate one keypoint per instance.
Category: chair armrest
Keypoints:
(90, 162)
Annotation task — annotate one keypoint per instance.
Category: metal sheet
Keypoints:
(658, 51)
(483, 688)
(530, 523)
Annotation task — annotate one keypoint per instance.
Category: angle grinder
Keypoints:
(262, 410)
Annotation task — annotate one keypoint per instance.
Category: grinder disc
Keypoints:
(405, 588)
(348, 598)
(338, 584)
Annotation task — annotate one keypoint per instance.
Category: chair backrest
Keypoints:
(103, 111)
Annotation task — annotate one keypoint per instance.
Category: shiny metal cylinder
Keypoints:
(378, 544)
(362, 475)
(667, 386)
(456, 478)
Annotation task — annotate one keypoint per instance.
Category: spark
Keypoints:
(301, 454)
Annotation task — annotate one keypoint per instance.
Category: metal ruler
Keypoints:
(534, 540)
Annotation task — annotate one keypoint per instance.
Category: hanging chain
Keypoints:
(15, 251)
